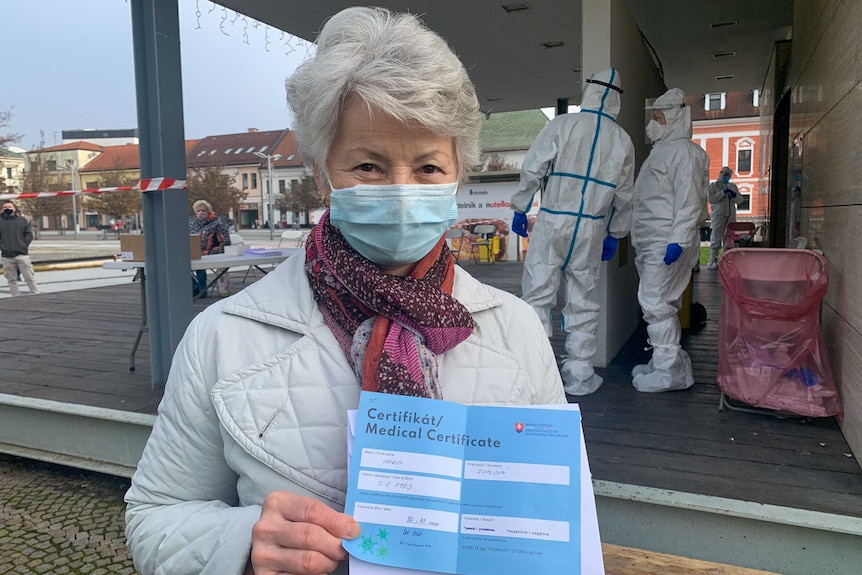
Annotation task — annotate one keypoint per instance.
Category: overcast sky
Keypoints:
(68, 65)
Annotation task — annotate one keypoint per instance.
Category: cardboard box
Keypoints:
(132, 247)
(234, 250)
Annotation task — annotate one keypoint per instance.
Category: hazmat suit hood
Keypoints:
(602, 93)
(676, 114)
(725, 171)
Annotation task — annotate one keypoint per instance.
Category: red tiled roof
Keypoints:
(124, 157)
(71, 146)
(233, 149)
(289, 156)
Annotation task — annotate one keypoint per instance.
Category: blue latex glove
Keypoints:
(729, 193)
(519, 224)
(609, 248)
(672, 253)
(808, 378)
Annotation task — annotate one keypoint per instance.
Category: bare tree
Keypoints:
(211, 184)
(38, 178)
(5, 119)
(116, 203)
(498, 163)
(5, 139)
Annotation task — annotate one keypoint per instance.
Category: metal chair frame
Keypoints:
(451, 235)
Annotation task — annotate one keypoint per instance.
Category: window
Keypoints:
(228, 151)
(262, 149)
(52, 165)
(92, 185)
(244, 181)
(254, 181)
(281, 186)
(745, 205)
(9, 173)
(238, 151)
(714, 101)
(755, 98)
(743, 160)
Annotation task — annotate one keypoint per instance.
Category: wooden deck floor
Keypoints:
(74, 347)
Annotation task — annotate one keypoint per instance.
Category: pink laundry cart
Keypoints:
(738, 234)
(771, 351)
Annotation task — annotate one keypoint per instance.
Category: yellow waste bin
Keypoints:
(684, 313)
(494, 245)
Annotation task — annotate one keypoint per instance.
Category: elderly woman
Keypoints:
(245, 469)
(214, 237)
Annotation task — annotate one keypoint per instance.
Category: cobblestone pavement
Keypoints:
(60, 521)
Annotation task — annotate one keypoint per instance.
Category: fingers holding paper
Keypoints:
(298, 535)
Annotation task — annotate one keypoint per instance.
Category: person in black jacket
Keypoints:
(15, 238)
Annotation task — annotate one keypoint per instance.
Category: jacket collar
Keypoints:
(283, 298)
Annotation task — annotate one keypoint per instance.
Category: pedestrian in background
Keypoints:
(214, 237)
(15, 238)
(723, 198)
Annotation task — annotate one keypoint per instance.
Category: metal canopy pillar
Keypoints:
(158, 84)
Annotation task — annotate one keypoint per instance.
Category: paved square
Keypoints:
(61, 521)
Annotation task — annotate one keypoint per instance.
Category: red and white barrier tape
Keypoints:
(148, 185)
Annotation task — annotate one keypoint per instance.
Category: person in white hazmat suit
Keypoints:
(585, 164)
(667, 206)
(723, 198)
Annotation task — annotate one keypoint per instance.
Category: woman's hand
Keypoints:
(298, 535)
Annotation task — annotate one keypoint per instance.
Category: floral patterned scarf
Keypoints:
(391, 328)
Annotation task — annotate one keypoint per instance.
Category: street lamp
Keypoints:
(71, 165)
(267, 214)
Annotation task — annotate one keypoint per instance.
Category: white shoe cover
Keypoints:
(671, 366)
(712, 266)
(642, 368)
(579, 377)
(676, 378)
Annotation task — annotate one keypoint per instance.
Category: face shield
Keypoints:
(658, 115)
(655, 122)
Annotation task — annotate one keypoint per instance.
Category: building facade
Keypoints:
(727, 126)
(239, 156)
(12, 161)
(61, 165)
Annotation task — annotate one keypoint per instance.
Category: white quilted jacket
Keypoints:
(256, 402)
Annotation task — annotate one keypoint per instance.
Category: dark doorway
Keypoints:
(779, 174)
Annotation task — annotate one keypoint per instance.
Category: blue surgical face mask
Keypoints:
(725, 178)
(396, 224)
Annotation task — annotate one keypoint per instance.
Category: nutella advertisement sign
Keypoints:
(483, 205)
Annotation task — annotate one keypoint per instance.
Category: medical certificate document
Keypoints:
(451, 488)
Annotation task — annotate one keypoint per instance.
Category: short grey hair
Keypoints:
(202, 204)
(392, 62)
